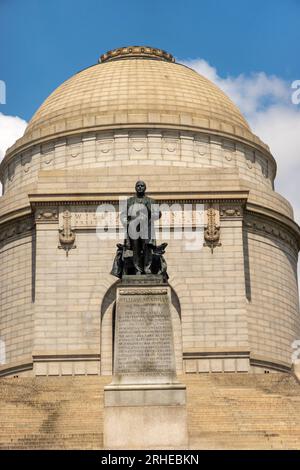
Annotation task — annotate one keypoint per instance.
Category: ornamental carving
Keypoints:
(74, 150)
(171, 145)
(137, 51)
(212, 230)
(16, 229)
(259, 225)
(231, 212)
(201, 148)
(138, 144)
(105, 145)
(25, 162)
(11, 171)
(66, 234)
(140, 291)
(46, 215)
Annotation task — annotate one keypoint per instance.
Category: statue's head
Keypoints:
(140, 188)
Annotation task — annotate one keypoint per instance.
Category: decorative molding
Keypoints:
(202, 148)
(138, 144)
(215, 354)
(66, 234)
(16, 228)
(231, 212)
(170, 145)
(136, 51)
(140, 291)
(49, 215)
(235, 197)
(259, 224)
(269, 364)
(74, 150)
(212, 230)
(105, 145)
(15, 368)
(66, 357)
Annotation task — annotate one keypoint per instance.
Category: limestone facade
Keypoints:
(235, 301)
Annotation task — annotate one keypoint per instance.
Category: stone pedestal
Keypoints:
(145, 405)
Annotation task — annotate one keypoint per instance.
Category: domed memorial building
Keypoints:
(139, 115)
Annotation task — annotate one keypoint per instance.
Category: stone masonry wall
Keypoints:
(127, 148)
(16, 317)
(273, 299)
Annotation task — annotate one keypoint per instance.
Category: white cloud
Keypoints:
(266, 102)
(11, 128)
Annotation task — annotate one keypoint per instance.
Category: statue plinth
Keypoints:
(145, 405)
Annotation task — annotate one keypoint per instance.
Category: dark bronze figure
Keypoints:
(139, 254)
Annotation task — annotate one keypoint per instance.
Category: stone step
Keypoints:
(225, 411)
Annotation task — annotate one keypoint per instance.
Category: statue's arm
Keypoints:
(155, 211)
(124, 213)
(124, 218)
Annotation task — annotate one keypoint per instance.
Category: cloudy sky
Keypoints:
(247, 48)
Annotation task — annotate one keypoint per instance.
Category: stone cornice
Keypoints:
(16, 214)
(161, 197)
(12, 222)
(65, 356)
(16, 229)
(257, 209)
(16, 367)
(268, 363)
(263, 224)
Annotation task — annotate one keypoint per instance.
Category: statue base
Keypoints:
(145, 405)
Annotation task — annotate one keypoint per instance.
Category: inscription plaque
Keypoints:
(144, 335)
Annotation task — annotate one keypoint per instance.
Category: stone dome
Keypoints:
(136, 87)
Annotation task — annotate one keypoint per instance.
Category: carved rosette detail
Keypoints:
(170, 145)
(66, 234)
(212, 230)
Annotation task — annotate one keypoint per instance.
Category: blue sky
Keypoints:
(249, 48)
(43, 42)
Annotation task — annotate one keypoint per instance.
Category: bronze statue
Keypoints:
(139, 254)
